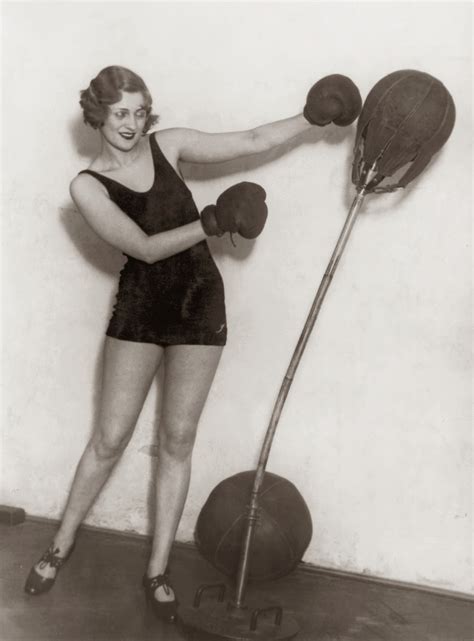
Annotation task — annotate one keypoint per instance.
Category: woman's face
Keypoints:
(125, 121)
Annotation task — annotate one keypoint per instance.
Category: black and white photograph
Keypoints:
(236, 313)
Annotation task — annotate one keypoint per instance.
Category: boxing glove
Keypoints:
(239, 209)
(334, 99)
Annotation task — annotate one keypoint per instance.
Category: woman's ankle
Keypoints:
(151, 572)
(156, 569)
(63, 543)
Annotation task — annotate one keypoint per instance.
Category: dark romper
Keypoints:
(177, 300)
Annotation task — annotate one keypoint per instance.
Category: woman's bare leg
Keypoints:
(128, 371)
(189, 372)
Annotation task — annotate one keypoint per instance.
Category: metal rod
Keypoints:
(283, 393)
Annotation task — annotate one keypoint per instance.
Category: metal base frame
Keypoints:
(218, 620)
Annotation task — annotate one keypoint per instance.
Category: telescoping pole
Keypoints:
(252, 515)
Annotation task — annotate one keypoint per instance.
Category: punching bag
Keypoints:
(282, 532)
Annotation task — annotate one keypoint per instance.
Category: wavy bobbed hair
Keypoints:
(106, 89)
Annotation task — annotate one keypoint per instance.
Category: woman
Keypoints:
(170, 301)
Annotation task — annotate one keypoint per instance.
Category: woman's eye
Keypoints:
(141, 114)
(119, 114)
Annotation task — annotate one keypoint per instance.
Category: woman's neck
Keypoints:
(112, 158)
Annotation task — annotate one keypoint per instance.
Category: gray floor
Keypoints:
(98, 596)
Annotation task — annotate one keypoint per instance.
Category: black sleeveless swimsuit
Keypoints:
(177, 300)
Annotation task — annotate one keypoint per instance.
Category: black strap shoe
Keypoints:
(37, 584)
(163, 610)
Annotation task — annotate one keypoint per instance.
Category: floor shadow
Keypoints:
(98, 596)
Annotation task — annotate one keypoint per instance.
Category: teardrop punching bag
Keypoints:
(407, 117)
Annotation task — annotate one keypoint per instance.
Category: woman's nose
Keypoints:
(132, 121)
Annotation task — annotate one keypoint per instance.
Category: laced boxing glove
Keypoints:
(334, 99)
(240, 208)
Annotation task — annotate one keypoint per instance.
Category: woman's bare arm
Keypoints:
(120, 231)
(201, 147)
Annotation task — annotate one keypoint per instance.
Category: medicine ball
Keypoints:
(282, 532)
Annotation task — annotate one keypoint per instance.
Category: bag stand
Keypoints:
(406, 118)
(235, 620)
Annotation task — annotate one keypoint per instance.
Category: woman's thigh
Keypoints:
(189, 372)
(128, 371)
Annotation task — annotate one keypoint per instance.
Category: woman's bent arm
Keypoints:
(120, 231)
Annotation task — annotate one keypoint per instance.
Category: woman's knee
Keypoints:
(109, 446)
(178, 442)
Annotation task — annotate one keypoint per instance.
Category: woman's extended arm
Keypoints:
(198, 146)
(116, 228)
(334, 98)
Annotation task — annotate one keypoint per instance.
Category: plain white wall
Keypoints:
(376, 430)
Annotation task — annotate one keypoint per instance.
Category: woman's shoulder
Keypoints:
(170, 142)
(173, 136)
(85, 182)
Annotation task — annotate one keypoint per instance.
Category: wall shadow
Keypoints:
(220, 247)
(107, 259)
(88, 244)
(151, 451)
(95, 251)
(331, 135)
(92, 248)
(103, 258)
(84, 139)
(380, 203)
